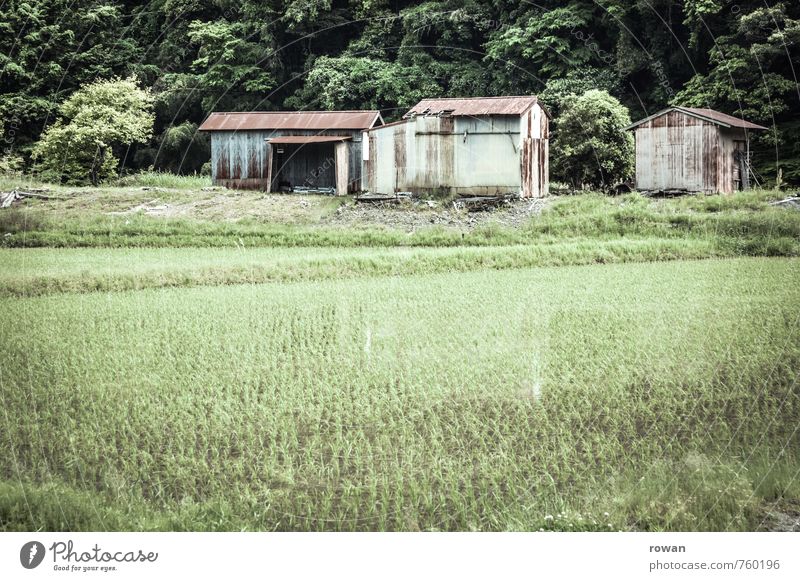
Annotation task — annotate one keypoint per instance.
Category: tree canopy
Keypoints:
(203, 55)
(93, 120)
(590, 144)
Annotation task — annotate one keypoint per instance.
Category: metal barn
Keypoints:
(473, 147)
(682, 149)
(286, 151)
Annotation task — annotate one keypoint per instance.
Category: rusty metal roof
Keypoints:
(706, 114)
(475, 106)
(722, 118)
(307, 138)
(316, 120)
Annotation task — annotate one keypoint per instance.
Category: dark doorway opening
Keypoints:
(304, 165)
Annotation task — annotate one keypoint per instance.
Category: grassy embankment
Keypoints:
(572, 230)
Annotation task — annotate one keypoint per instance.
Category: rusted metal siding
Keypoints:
(671, 153)
(543, 160)
(382, 160)
(245, 160)
(488, 155)
(239, 159)
(430, 144)
(534, 163)
(369, 173)
(678, 151)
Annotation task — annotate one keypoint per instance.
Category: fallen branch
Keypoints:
(36, 195)
(792, 201)
(8, 198)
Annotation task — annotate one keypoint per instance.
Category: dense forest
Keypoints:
(198, 56)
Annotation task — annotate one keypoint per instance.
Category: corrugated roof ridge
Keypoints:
(477, 98)
(706, 113)
(294, 112)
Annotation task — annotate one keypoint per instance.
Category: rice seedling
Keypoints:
(650, 396)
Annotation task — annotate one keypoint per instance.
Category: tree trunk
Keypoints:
(99, 157)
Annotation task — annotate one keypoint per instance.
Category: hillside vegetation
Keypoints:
(214, 55)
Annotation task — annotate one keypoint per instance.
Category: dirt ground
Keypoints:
(413, 215)
(782, 517)
(219, 204)
(408, 215)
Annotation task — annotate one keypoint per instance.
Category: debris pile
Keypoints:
(383, 198)
(410, 214)
(313, 190)
(481, 203)
(8, 198)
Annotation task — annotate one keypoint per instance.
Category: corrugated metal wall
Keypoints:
(487, 158)
(241, 159)
(460, 155)
(676, 151)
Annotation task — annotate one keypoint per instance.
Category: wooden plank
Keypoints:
(342, 165)
(268, 180)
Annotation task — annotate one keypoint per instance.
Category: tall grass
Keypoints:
(158, 179)
(657, 396)
(743, 224)
(154, 179)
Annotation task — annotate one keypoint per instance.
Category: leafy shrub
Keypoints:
(591, 147)
(11, 164)
(78, 147)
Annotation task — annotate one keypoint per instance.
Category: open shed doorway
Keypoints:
(315, 162)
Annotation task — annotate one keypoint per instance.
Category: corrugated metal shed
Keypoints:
(475, 106)
(283, 120)
(472, 147)
(281, 150)
(692, 150)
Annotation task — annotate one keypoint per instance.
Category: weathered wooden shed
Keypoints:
(693, 150)
(283, 150)
(473, 147)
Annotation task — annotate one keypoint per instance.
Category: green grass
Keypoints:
(163, 252)
(655, 396)
(157, 179)
(739, 225)
(39, 271)
(151, 179)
